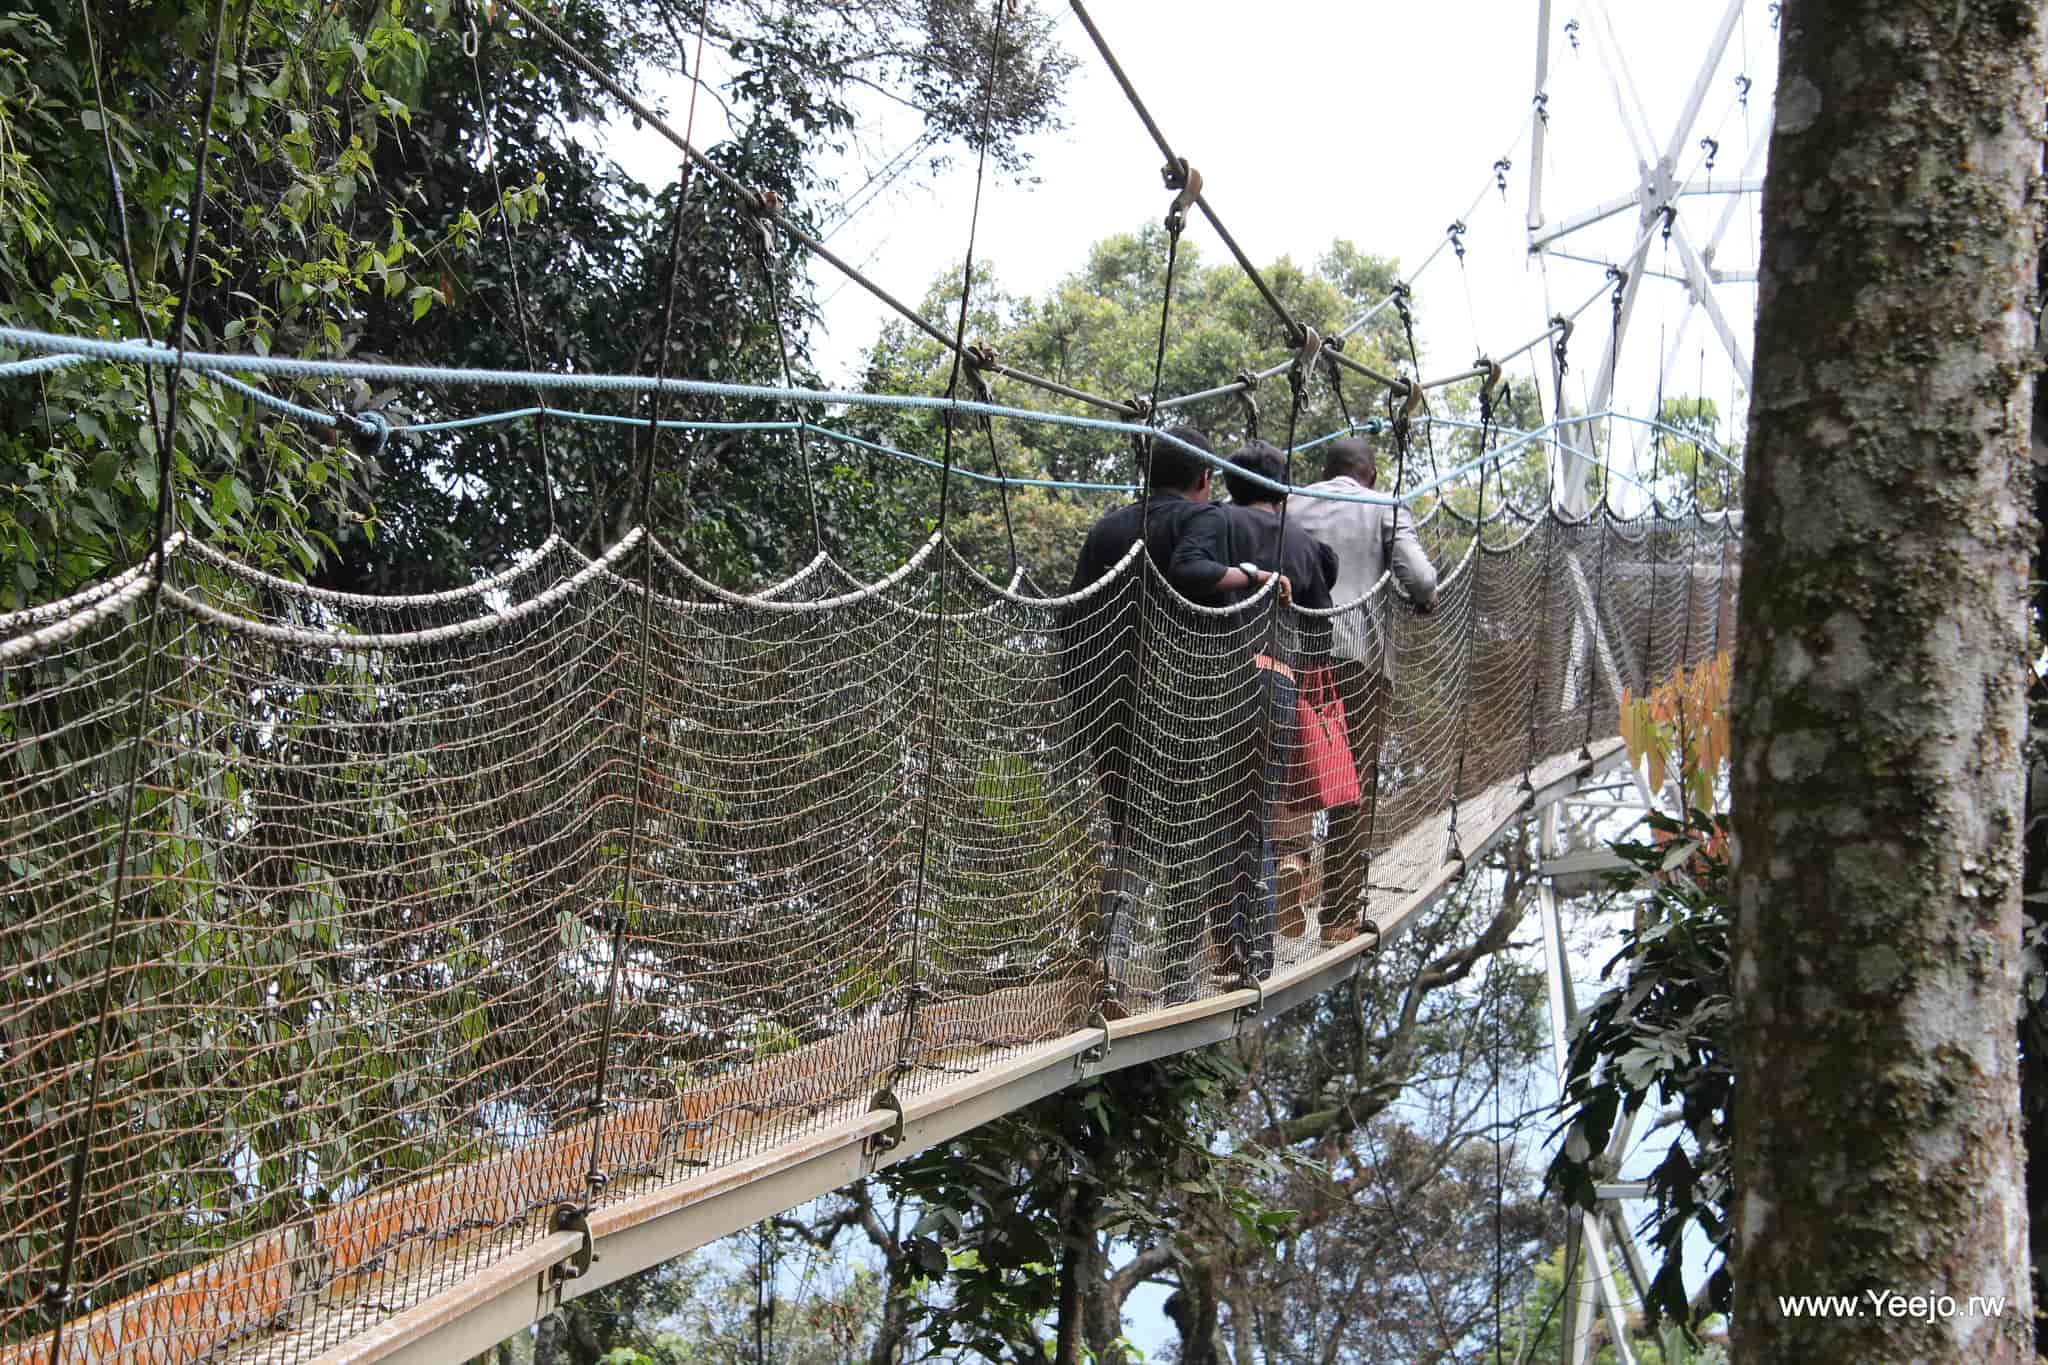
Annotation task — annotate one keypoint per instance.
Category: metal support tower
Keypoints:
(1657, 188)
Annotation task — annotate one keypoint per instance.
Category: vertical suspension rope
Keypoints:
(595, 1177)
(118, 204)
(1500, 1182)
(1596, 591)
(765, 220)
(1542, 650)
(511, 239)
(980, 359)
(1298, 376)
(906, 1042)
(56, 1295)
(1402, 295)
(1453, 853)
(1176, 223)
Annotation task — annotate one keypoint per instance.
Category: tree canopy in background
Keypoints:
(372, 192)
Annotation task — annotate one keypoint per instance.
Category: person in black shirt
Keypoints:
(1187, 539)
(1261, 755)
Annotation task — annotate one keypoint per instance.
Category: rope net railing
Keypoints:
(379, 993)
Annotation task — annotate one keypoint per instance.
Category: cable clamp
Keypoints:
(892, 1137)
(1372, 926)
(571, 1218)
(1620, 278)
(1186, 181)
(1097, 1052)
(767, 211)
(1491, 381)
(1311, 346)
(1255, 1010)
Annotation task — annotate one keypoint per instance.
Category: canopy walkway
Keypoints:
(448, 940)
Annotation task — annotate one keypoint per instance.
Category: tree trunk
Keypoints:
(1879, 707)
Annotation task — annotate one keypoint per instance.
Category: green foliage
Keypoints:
(1099, 330)
(1535, 1332)
(1665, 1032)
(1687, 467)
(1020, 1202)
(352, 211)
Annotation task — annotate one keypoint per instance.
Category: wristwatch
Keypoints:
(1250, 570)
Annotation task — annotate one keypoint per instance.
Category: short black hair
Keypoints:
(1349, 457)
(1258, 457)
(1173, 469)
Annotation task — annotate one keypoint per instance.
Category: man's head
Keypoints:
(1263, 459)
(1351, 458)
(1174, 469)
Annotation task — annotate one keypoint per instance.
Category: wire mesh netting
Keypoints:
(438, 913)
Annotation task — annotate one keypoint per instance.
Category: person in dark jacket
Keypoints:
(1186, 538)
(1260, 755)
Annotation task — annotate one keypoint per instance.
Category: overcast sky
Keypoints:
(1253, 95)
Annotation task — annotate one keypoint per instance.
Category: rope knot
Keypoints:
(370, 431)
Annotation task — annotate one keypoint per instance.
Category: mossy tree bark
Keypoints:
(1880, 676)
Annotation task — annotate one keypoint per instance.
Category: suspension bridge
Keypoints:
(380, 973)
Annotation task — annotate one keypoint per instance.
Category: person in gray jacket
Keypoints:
(1368, 538)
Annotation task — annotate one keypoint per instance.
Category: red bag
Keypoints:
(1325, 774)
